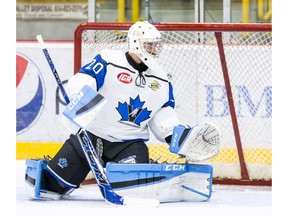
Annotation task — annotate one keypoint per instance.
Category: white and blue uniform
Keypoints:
(135, 102)
(129, 107)
(137, 99)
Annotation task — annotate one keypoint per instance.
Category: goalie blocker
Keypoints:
(164, 182)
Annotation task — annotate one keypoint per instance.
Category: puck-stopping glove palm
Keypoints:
(196, 144)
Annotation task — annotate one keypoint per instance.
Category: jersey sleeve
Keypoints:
(171, 101)
(97, 69)
(164, 121)
(77, 82)
(91, 74)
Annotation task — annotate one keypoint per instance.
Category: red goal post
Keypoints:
(221, 73)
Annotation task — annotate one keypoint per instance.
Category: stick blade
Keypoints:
(140, 203)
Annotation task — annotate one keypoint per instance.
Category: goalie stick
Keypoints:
(92, 157)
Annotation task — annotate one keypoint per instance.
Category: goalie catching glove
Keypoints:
(198, 143)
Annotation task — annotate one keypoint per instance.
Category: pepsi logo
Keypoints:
(29, 93)
(124, 77)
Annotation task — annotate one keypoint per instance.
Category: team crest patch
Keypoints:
(62, 162)
(154, 85)
(133, 113)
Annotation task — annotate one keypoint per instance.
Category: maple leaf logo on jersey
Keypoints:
(134, 111)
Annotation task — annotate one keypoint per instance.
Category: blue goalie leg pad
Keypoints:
(33, 174)
(33, 177)
(165, 182)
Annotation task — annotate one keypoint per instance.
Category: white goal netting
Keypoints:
(193, 63)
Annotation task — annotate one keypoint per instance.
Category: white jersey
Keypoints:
(130, 108)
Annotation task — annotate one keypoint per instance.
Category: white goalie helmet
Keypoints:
(145, 41)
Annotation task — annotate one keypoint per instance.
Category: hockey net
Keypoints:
(222, 74)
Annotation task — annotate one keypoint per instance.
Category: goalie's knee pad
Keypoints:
(40, 184)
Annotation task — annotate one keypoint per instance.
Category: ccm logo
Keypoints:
(124, 77)
(175, 167)
(75, 100)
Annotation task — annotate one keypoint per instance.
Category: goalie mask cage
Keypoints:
(222, 74)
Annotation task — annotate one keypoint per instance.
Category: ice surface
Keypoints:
(87, 200)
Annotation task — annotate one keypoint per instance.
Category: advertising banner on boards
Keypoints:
(39, 102)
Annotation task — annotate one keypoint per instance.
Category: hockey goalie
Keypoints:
(119, 98)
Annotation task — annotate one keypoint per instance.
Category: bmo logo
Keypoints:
(124, 78)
